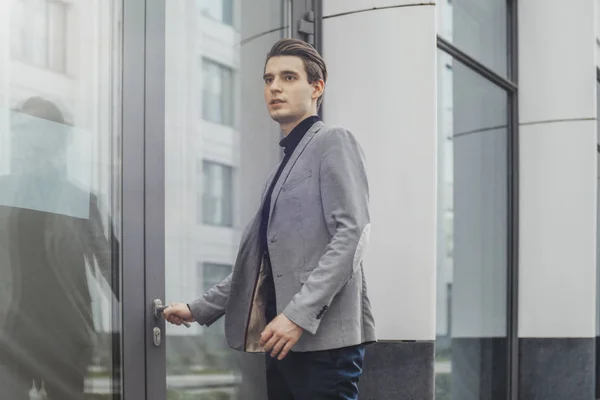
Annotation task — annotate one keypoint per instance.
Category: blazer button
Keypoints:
(273, 240)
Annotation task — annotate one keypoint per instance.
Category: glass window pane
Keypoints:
(471, 353)
(37, 34)
(219, 10)
(227, 97)
(217, 93)
(228, 12)
(212, 274)
(16, 28)
(215, 168)
(477, 27)
(40, 39)
(217, 195)
(212, 9)
(60, 210)
(58, 25)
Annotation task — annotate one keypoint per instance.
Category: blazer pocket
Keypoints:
(296, 181)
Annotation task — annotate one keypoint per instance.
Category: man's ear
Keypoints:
(318, 87)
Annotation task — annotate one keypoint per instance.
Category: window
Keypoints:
(217, 194)
(217, 93)
(473, 268)
(477, 313)
(479, 28)
(220, 10)
(212, 274)
(39, 33)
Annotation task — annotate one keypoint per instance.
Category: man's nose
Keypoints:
(275, 86)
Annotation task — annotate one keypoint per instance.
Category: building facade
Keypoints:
(479, 124)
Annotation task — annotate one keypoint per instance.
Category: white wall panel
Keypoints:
(382, 87)
(557, 60)
(557, 247)
(557, 189)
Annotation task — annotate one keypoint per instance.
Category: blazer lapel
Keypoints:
(286, 171)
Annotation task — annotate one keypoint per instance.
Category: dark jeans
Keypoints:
(316, 375)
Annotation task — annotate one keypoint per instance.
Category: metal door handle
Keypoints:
(159, 307)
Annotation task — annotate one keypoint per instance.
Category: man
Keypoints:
(298, 291)
(49, 227)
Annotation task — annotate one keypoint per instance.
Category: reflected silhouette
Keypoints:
(51, 238)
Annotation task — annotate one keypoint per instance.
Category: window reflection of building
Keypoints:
(80, 74)
(211, 274)
(217, 194)
(217, 93)
(40, 32)
(220, 10)
(202, 161)
(472, 316)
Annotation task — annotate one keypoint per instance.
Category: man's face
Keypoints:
(288, 94)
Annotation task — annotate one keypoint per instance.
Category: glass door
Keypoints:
(213, 110)
(60, 199)
(206, 164)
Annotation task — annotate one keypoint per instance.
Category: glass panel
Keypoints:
(39, 35)
(220, 10)
(60, 190)
(471, 353)
(217, 199)
(211, 274)
(477, 27)
(212, 187)
(217, 93)
(57, 33)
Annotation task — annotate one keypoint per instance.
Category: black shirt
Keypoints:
(289, 144)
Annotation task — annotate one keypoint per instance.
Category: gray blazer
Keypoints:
(318, 230)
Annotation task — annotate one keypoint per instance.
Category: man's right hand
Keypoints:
(176, 313)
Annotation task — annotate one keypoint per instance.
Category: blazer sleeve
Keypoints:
(345, 202)
(211, 306)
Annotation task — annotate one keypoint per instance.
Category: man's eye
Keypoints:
(268, 80)
(289, 78)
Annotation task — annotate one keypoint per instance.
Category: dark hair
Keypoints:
(57, 134)
(41, 108)
(313, 62)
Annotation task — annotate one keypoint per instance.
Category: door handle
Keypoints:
(159, 307)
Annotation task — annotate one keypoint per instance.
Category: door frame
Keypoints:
(154, 195)
(143, 374)
(143, 365)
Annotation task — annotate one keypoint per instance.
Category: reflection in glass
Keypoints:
(39, 32)
(220, 10)
(59, 201)
(50, 159)
(200, 229)
(217, 93)
(477, 27)
(471, 352)
(215, 169)
(217, 195)
(212, 274)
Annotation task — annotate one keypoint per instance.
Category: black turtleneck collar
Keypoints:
(290, 142)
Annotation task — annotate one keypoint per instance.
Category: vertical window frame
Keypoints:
(510, 84)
